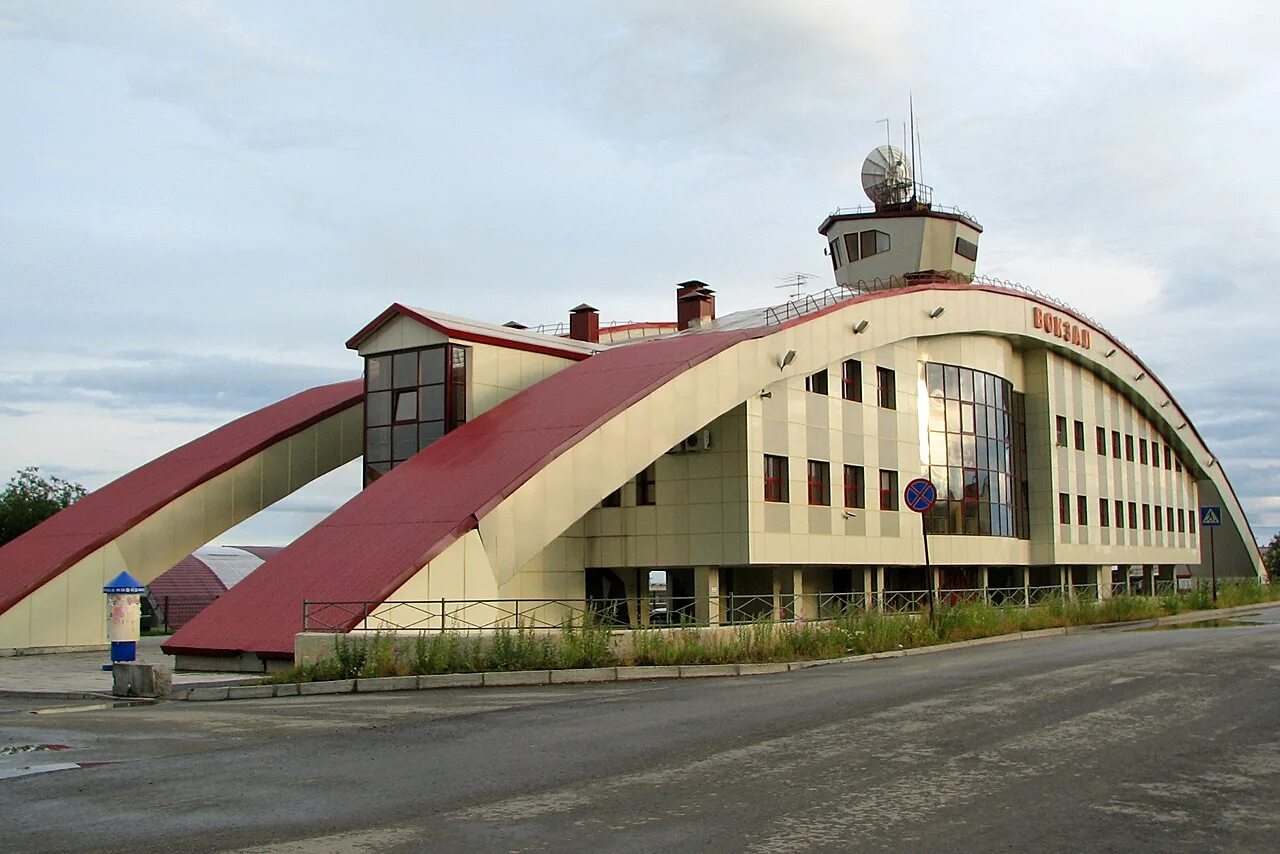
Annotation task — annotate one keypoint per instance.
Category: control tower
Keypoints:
(903, 237)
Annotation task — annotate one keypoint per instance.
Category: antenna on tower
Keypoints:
(911, 108)
(796, 282)
(887, 141)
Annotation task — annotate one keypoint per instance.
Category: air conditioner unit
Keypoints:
(700, 441)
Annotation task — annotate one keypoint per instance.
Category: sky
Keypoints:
(200, 202)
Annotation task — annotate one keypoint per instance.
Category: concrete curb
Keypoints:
(514, 678)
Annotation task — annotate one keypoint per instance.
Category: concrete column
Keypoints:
(1026, 585)
(867, 601)
(806, 598)
(777, 593)
(985, 573)
(706, 589)
(1148, 582)
(1064, 574)
(643, 596)
(880, 587)
(1103, 576)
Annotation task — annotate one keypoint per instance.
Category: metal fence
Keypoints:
(485, 615)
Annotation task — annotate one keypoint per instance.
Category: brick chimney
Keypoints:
(695, 304)
(584, 324)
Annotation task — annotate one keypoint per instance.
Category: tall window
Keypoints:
(1146, 517)
(775, 478)
(1104, 512)
(1060, 430)
(1168, 519)
(1128, 446)
(851, 380)
(1102, 441)
(1142, 451)
(1168, 457)
(1115, 444)
(816, 383)
(1064, 508)
(888, 490)
(1159, 517)
(1079, 435)
(1191, 521)
(1182, 521)
(647, 486)
(412, 398)
(819, 483)
(855, 487)
(1133, 515)
(1082, 510)
(886, 389)
(1119, 513)
(977, 453)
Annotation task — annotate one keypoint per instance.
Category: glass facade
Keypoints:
(977, 453)
(412, 398)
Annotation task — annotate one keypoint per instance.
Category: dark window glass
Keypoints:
(886, 389)
(1182, 521)
(613, 499)
(851, 247)
(1168, 522)
(819, 483)
(888, 490)
(406, 406)
(1133, 515)
(1060, 430)
(1191, 521)
(647, 486)
(835, 253)
(1128, 447)
(1146, 517)
(1168, 457)
(404, 442)
(1177, 464)
(1102, 441)
(851, 380)
(1115, 444)
(432, 402)
(405, 369)
(775, 478)
(377, 373)
(855, 487)
(1079, 425)
(965, 249)
(1064, 508)
(428, 432)
(1158, 518)
(816, 383)
(377, 444)
(377, 408)
(867, 244)
(1082, 510)
(882, 241)
(1104, 512)
(431, 365)
(1142, 451)
(1119, 514)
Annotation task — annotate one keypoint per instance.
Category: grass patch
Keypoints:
(587, 643)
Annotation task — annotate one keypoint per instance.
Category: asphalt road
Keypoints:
(1117, 741)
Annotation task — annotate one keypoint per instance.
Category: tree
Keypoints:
(1271, 556)
(30, 498)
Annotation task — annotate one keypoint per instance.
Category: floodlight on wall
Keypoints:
(849, 515)
(937, 312)
(1110, 353)
(861, 327)
(765, 394)
(1141, 374)
(787, 359)
(1183, 424)
(1163, 405)
(1211, 462)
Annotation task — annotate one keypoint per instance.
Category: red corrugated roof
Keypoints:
(42, 553)
(378, 540)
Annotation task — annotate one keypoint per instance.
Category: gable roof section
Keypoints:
(41, 554)
(379, 539)
(465, 329)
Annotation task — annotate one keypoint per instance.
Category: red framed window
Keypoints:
(1082, 510)
(888, 490)
(775, 478)
(851, 380)
(855, 487)
(412, 398)
(886, 389)
(819, 483)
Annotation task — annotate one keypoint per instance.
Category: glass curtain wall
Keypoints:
(412, 398)
(977, 453)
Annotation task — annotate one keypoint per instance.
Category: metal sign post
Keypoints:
(920, 496)
(1211, 517)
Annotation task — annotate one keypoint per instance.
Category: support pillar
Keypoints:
(880, 587)
(777, 594)
(985, 574)
(706, 591)
(1103, 576)
(1148, 581)
(643, 597)
(1026, 586)
(867, 580)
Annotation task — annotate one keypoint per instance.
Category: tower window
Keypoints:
(872, 243)
(851, 246)
(966, 249)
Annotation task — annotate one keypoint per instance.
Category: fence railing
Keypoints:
(485, 615)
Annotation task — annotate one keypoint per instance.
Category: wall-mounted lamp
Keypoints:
(937, 312)
(1183, 424)
(765, 394)
(783, 361)
(1141, 374)
(1163, 405)
(849, 515)
(1211, 462)
(861, 327)
(1111, 352)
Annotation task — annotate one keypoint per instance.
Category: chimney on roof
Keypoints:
(584, 324)
(695, 304)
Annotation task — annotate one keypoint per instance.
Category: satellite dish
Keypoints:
(887, 177)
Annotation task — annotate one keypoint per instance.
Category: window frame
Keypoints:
(851, 380)
(855, 487)
(889, 494)
(1101, 437)
(886, 388)
(817, 382)
(1064, 508)
(780, 493)
(818, 476)
(647, 486)
(1060, 431)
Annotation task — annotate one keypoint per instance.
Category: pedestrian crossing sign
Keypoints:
(1210, 517)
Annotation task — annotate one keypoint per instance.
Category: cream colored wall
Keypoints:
(939, 252)
(400, 333)
(1079, 394)
(70, 610)
(515, 532)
